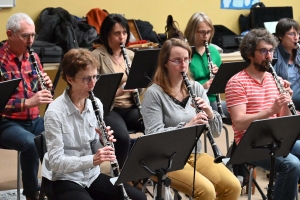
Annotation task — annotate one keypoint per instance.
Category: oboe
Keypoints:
(211, 75)
(104, 139)
(217, 153)
(281, 89)
(136, 95)
(38, 71)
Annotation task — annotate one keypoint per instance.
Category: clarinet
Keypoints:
(281, 89)
(217, 153)
(38, 71)
(136, 95)
(297, 45)
(104, 139)
(211, 75)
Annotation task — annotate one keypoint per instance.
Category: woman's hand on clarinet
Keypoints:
(104, 154)
(204, 106)
(109, 132)
(121, 90)
(207, 84)
(200, 118)
(215, 69)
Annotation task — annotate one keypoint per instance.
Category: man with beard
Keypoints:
(252, 95)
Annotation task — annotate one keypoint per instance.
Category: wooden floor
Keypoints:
(8, 168)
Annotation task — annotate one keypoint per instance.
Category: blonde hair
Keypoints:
(192, 26)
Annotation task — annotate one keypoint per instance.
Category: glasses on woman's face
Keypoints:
(180, 61)
(264, 51)
(203, 32)
(293, 34)
(88, 79)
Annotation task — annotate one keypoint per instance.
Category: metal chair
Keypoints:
(40, 144)
(18, 172)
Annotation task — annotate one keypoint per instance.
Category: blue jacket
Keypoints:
(281, 68)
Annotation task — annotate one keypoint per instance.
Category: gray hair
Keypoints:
(13, 23)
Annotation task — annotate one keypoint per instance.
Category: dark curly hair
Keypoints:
(251, 40)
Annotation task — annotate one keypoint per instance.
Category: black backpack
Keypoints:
(245, 21)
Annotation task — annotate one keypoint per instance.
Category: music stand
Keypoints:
(169, 149)
(265, 139)
(7, 88)
(106, 88)
(142, 69)
(225, 72)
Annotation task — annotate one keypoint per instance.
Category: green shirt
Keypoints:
(199, 67)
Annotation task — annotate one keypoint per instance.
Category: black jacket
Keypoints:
(57, 25)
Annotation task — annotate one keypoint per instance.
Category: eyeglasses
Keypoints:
(88, 79)
(26, 36)
(264, 51)
(203, 32)
(118, 33)
(293, 34)
(179, 61)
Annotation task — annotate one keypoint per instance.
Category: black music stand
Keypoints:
(266, 139)
(225, 72)
(106, 88)
(7, 88)
(151, 153)
(142, 69)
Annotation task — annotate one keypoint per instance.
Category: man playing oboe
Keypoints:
(252, 94)
(20, 119)
(71, 165)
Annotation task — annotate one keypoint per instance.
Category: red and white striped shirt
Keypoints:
(243, 89)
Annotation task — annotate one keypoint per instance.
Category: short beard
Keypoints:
(262, 67)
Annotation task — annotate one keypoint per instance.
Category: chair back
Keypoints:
(40, 144)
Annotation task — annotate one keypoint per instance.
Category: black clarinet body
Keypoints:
(211, 75)
(217, 153)
(136, 95)
(104, 139)
(281, 89)
(38, 71)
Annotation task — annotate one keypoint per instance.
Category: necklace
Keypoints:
(117, 56)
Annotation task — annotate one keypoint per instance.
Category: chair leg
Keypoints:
(227, 137)
(18, 177)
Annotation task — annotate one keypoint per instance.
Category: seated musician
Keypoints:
(198, 30)
(124, 115)
(168, 106)
(252, 95)
(71, 165)
(20, 120)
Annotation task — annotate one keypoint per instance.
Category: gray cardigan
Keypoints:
(161, 113)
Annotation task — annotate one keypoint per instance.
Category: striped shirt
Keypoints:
(243, 89)
(12, 68)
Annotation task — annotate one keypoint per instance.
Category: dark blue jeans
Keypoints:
(287, 170)
(19, 135)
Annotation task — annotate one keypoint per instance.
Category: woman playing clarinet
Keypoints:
(71, 165)
(167, 105)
